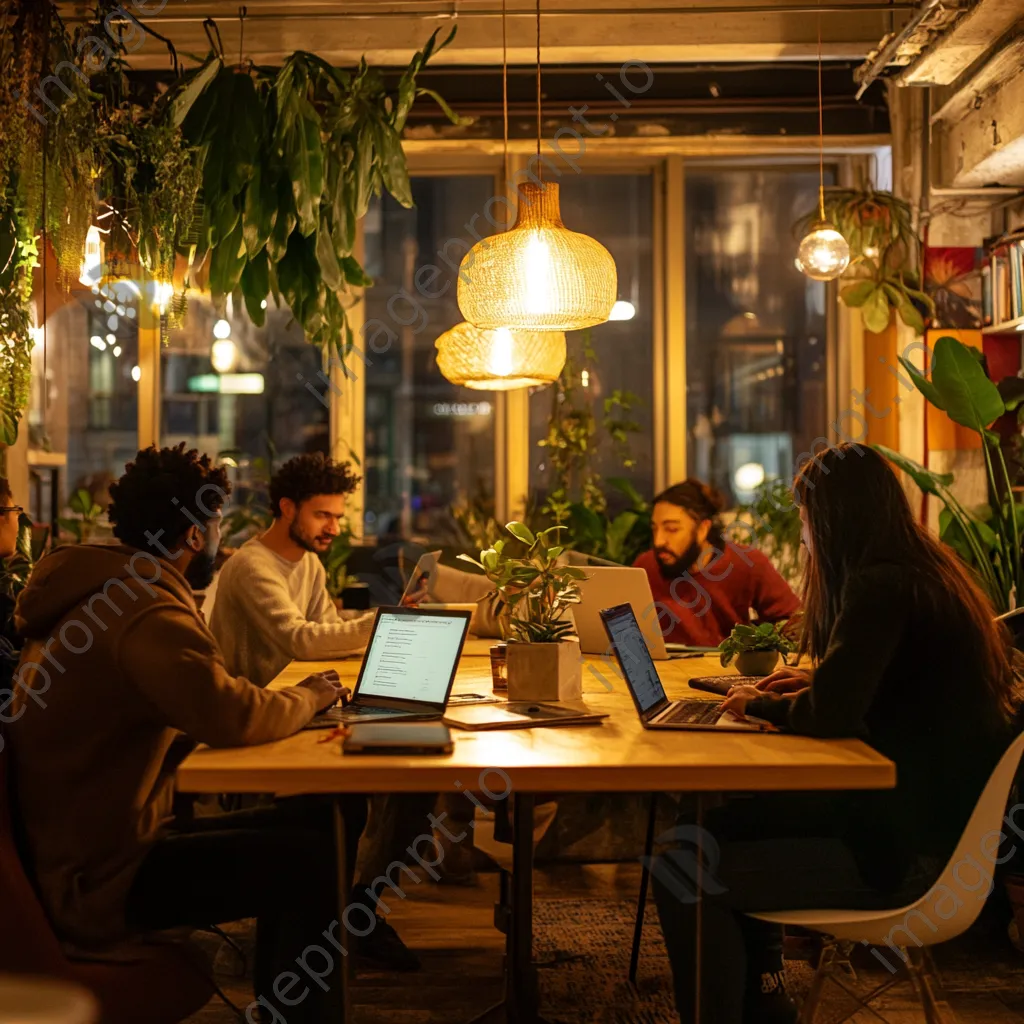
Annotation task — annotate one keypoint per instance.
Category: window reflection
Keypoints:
(616, 209)
(428, 443)
(756, 329)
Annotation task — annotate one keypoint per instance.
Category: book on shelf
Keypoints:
(1002, 282)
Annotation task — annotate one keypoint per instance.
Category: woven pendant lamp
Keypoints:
(500, 360)
(539, 276)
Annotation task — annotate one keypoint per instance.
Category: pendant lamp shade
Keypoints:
(500, 360)
(538, 276)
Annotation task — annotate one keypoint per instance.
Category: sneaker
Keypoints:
(768, 1002)
(383, 947)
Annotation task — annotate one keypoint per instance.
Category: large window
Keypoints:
(83, 419)
(239, 392)
(613, 384)
(428, 443)
(756, 329)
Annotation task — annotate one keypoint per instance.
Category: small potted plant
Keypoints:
(543, 661)
(756, 648)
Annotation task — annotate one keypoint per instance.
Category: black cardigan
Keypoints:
(902, 673)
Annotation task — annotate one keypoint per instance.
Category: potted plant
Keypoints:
(82, 525)
(988, 537)
(885, 254)
(756, 648)
(543, 661)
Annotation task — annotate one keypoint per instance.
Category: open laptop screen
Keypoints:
(412, 655)
(633, 657)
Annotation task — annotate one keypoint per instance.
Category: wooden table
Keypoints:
(617, 755)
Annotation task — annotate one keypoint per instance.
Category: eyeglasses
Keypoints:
(4, 509)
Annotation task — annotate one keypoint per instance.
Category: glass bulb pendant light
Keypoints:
(823, 254)
(538, 276)
(500, 359)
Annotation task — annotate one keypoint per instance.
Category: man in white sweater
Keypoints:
(272, 607)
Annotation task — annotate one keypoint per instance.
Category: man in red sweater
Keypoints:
(702, 584)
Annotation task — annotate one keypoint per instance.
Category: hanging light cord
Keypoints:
(821, 133)
(504, 93)
(538, 81)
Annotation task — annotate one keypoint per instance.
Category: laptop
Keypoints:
(408, 668)
(656, 711)
(424, 575)
(605, 586)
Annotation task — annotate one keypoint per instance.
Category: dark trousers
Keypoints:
(759, 854)
(277, 864)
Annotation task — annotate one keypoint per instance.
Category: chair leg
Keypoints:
(645, 879)
(813, 998)
(921, 968)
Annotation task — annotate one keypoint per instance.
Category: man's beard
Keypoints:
(309, 543)
(681, 565)
(199, 574)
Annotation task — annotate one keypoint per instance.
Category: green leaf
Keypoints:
(393, 166)
(227, 262)
(328, 261)
(354, 273)
(875, 311)
(259, 213)
(256, 287)
(191, 87)
(929, 482)
(521, 532)
(922, 383)
(1011, 390)
(855, 295)
(969, 397)
(284, 224)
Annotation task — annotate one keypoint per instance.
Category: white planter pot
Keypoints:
(545, 671)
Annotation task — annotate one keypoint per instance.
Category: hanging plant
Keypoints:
(290, 159)
(885, 255)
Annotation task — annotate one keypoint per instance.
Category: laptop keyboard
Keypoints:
(348, 713)
(694, 712)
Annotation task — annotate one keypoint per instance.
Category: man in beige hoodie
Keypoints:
(118, 679)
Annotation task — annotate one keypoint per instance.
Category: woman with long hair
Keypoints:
(907, 656)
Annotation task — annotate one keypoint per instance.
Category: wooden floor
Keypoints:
(450, 927)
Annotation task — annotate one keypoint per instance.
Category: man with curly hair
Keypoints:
(118, 680)
(272, 605)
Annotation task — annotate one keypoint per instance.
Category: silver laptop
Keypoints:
(606, 586)
(656, 711)
(423, 576)
(408, 668)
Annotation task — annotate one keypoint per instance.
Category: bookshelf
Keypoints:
(1006, 327)
(1002, 285)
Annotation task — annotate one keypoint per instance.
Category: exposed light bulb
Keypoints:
(136, 374)
(223, 354)
(222, 329)
(112, 321)
(622, 310)
(97, 342)
(111, 338)
(117, 350)
(871, 251)
(823, 254)
(263, 304)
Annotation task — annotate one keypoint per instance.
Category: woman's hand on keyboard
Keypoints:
(786, 680)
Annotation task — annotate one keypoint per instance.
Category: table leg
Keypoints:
(522, 998)
(344, 972)
(700, 906)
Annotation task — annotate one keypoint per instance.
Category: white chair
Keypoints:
(922, 923)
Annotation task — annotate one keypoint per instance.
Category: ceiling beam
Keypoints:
(573, 31)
